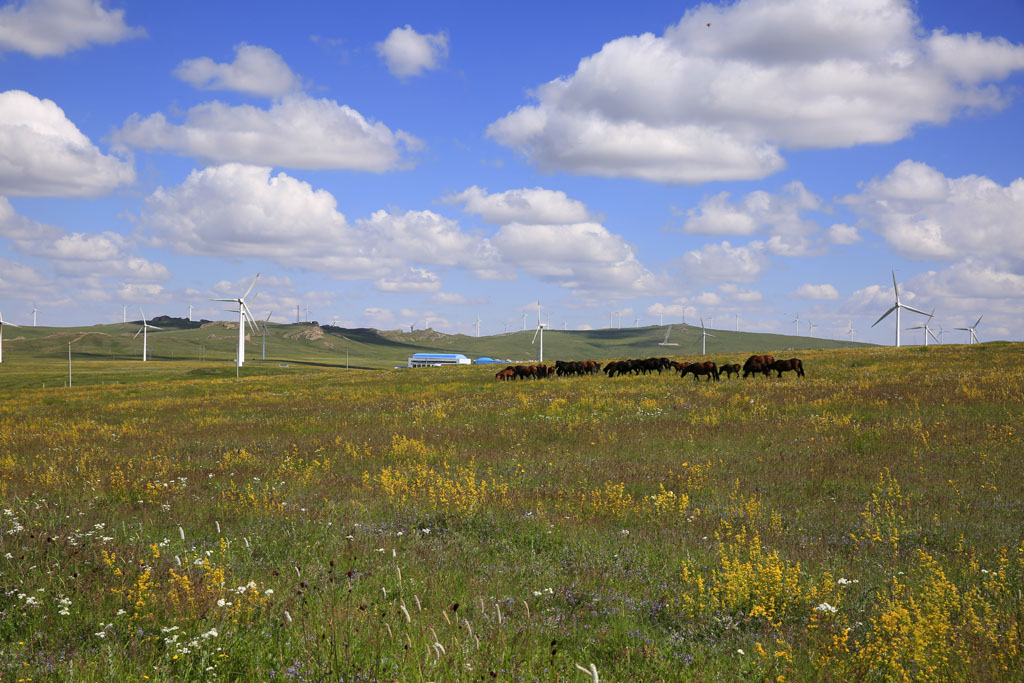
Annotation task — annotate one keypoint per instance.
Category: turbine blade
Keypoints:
(895, 287)
(224, 300)
(934, 337)
(979, 320)
(139, 332)
(911, 308)
(535, 335)
(251, 286)
(965, 329)
(885, 314)
(154, 327)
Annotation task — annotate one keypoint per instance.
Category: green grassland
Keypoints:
(111, 353)
(310, 523)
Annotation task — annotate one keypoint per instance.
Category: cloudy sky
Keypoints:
(411, 163)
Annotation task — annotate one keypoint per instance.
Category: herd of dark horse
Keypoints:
(759, 364)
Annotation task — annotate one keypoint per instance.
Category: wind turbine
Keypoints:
(540, 331)
(667, 342)
(2, 323)
(190, 312)
(478, 326)
(704, 337)
(244, 315)
(927, 330)
(974, 337)
(264, 335)
(524, 321)
(34, 311)
(851, 331)
(898, 307)
(144, 331)
(124, 313)
(636, 323)
(737, 322)
(810, 328)
(797, 321)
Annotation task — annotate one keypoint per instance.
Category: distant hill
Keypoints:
(313, 344)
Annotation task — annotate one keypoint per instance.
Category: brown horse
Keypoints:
(793, 364)
(730, 370)
(506, 375)
(706, 368)
(755, 364)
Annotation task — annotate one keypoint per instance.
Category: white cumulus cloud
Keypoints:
(408, 53)
(536, 205)
(824, 292)
(297, 131)
(44, 153)
(256, 70)
(52, 28)
(722, 92)
(723, 261)
(925, 215)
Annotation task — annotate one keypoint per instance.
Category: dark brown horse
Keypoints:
(730, 370)
(755, 364)
(793, 364)
(706, 368)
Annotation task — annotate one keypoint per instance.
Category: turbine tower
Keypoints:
(810, 328)
(190, 312)
(927, 330)
(244, 315)
(851, 331)
(704, 338)
(144, 331)
(34, 311)
(797, 321)
(898, 306)
(478, 326)
(540, 332)
(2, 323)
(264, 335)
(974, 337)
(124, 313)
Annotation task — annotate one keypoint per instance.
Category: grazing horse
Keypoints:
(506, 375)
(755, 364)
(706, 368)
(526, 371)
(793, 364)
(730, 370)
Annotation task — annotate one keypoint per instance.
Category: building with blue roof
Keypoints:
(430, 360)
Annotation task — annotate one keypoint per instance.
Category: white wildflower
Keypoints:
(825, 607)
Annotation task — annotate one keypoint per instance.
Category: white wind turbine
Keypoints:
(124, 313)
(898, 306)
(144, 331)
(927, 330)
(263, 356)
(478, 326)
(540, 332)
(797, 321)
(810, 328)
(2, 323)
(974, 337)
(850, 331)
(636, 323)
(244, 315)
(704, 338)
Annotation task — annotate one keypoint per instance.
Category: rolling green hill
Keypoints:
(112, 353)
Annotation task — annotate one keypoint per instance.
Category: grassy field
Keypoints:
(179, 345)
(172, 523)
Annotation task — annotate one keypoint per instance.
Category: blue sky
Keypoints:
(400, 163)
